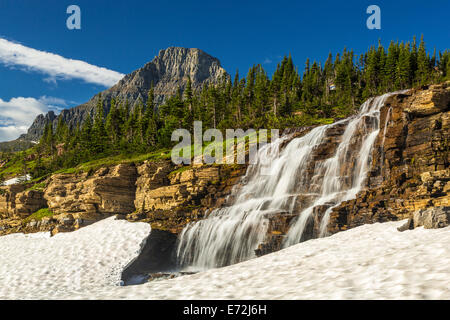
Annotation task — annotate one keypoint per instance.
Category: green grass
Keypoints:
(182, 169)
(93, 165)
(14, 167)
(322, 121)
(38, 186)
(38, 215)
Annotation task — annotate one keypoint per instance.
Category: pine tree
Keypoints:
(390, 66)
(189, 100)
(423, 64)
(404, 70)
(86, 143)
(112, 125)
(62, 131)
(48, 139)
(99, 135)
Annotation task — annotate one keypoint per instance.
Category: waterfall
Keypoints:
(231, 234)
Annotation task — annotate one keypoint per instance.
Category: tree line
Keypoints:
(290, 98)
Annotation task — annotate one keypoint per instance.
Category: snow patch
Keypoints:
(369, 262)
(17, 180)
(37, 266)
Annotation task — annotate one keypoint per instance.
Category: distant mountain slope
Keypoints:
(168, 71)
(15, 145)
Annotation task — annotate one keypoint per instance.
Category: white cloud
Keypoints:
(55, 66)
(11, 132)
(17, 114)
(53, 100)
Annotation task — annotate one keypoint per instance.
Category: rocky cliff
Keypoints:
(410, 167)
(160, 193)
(168, 71)
(409, 176)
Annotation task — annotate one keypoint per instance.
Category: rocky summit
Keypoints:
(169, 72)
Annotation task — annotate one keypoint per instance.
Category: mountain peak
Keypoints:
(169, 71)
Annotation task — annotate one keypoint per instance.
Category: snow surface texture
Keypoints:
(369, 262)
(68, 265)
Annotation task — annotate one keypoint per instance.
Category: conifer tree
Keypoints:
(99, 135)
(423, 64)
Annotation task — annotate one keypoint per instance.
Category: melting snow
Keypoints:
(17, 180)
(369, 262)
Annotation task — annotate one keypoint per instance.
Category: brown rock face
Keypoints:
(8, 199)
(169, 199)
(409, 174)
(28, 202)
(107, 192)
(432, 218)
(410, 167)
(155, 192)
(17, 202)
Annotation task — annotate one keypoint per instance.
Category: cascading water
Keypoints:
(231, 234)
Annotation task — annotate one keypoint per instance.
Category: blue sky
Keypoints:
(122, 36)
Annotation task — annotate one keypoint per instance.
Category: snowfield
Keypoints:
(68, 265)
(369, 262)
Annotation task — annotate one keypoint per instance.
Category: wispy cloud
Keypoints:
(55, 66)
(17, 114)
(267, 61)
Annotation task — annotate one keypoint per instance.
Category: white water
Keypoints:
(336, 188)
(230, 235)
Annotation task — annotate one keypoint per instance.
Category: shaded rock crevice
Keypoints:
(157, 254)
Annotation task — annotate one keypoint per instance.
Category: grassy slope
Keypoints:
(15, 166)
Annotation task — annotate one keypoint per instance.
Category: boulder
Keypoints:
(432, 218)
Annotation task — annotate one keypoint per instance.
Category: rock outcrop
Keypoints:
(36, 129)
(18, 202)
(8, 199)
(160, 193)
(157, 255)
(171, 199)
(28, 202)
(106, 192)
